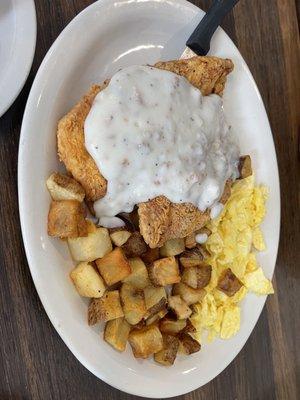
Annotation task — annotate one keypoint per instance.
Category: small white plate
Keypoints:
(106, 36)
(17, 45)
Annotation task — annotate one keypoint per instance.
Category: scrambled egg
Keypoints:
(235, 235)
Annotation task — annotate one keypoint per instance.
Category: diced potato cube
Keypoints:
(190, 241)
(105, 308)
(63, 187)
(139, 275)
(189, 328)
(172, 247)
(87, 280)
(188, 294)
(172, 326)
(116, 333)
(226, 192)
(150, 255)
(156, 317)
(164, 271)
(120, 237)
(89, 248)
(146, 341)
(245, 167)
(197, 277)
(114, 266)
(135, 246)
(229, 283)
(155, 299)
(66, 219)
(188, 344)
(180, 307)
(192, 258)
(167, 355)
(133, 302)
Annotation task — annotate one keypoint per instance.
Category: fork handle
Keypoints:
(199, 41)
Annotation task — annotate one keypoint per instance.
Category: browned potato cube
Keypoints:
(66, 219)
(197, 277)
(139, 275)
(172, 247)
(245, 167)
(167, 355)
(135, 246)
(146, 341)
(226, 192)
(87, 280)
(114, 266)
(164, 271)
(119, 237)
(172, 326)
(190, 241)
(193, 257)
(90, 247)
(133, 302)
(229, 283)
(63, 187)
(181, 309)
(106, 308)
(189, 328)
(155, 299)
(150, 255)
(116, 333)
(156, 317)
(188, 294)
(188, 344)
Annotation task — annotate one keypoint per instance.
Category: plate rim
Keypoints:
(26, 240)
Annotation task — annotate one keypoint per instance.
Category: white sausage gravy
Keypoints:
(150, 132)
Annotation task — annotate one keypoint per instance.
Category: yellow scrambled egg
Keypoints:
(235, 237)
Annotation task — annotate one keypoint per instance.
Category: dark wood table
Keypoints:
(35, 363)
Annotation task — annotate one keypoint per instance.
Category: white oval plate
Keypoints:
(17, 45)
(106, 36)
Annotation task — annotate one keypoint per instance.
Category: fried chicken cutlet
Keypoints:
(160, 219)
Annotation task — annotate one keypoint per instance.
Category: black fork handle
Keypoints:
(199, 41)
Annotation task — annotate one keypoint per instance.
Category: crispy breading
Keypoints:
(167, 220)
(71, 147)
(208, 74)
(161, 220)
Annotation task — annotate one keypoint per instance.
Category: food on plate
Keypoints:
(146, 341)
(172, 247)
(139, 275)
(66, 219)
(179, 306)
(197, 277)
(166, 251)
(87, 280)
(94, 245)
(166, 356)
(114, 266)
(63, 187)
(134, 245)
(155, 299)
(164, 271)
(189, 294)
(133, 303)
(120, 237)
(116, 333)
(105, 308)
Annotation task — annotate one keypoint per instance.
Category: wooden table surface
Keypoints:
(35, 363)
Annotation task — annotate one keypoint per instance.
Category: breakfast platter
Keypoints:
(155, 202)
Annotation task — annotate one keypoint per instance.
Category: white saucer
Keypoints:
(17, 45)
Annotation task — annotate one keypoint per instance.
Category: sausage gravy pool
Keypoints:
(150, 132)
